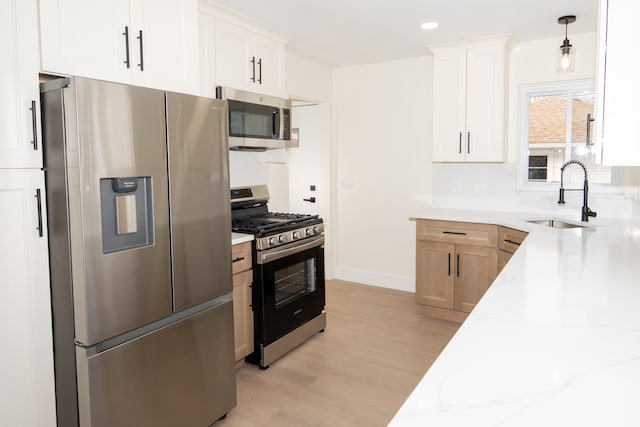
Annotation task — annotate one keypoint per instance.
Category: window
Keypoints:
(538, 168)
(557, 127)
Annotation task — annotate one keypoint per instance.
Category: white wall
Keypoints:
(382, 132)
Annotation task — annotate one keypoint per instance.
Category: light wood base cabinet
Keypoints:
(242, 309)
(509, 241)
(456, 263)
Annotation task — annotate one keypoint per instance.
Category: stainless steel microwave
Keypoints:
(256, 122)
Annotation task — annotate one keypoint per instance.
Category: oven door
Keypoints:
(290, 289)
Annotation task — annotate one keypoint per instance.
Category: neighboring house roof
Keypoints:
(547, 121)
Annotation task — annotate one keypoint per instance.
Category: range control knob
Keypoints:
(282, 238)
(308, 231)
(296, 235)
(273, 241)
(316, 229)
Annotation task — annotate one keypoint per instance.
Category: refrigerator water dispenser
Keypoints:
(127, 214)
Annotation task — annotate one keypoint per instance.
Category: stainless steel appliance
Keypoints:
(256, 122)
(139, 232)
(289, 286)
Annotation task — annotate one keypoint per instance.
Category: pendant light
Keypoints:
(566, 55)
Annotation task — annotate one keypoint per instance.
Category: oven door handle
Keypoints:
(272, 255)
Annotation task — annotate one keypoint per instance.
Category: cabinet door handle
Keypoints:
(141, 64)
(238, 259)
(34, 125)
(449, 265)
(512, 242)
(39, 205)
(460, 144)
(260, 71)
(253, 68)
(126, 46)
(458, 265)
(468, 142)
(458, 233)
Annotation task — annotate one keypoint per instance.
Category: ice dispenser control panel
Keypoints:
(127, 213)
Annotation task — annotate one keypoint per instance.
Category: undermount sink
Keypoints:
(554, 223)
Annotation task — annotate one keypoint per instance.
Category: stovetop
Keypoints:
(250, 214)
(272, 223)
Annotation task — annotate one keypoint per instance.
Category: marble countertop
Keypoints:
(555, 341)
(237, 238)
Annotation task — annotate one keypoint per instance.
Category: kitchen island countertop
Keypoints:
(555, 341)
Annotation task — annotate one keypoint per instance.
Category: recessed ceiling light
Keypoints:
(429, 25)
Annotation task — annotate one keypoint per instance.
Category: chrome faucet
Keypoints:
(586, 212)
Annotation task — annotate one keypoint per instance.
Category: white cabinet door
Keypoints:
(26, 360)
(485, 104)
(469, 86)
(270, 79)
(449, 106)
(86, 38)
(619, 116)
(20, 138)
(234, 66)
(167, 55)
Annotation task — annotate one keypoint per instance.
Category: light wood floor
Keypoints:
(357, 373)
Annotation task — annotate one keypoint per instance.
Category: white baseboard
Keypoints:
(390, 281)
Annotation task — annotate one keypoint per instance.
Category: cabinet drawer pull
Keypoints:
(512, 242)
(126, 45)
(141, 64)
(459, 233)
(38, 197)
(34, 125)
(238, 259)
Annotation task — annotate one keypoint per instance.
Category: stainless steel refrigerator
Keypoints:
(139, 230)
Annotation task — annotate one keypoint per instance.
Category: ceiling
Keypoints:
(351, 32)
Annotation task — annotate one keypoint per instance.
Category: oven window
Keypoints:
(295, 281)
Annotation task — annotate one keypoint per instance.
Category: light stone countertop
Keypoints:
(555, 341)
(237, 238)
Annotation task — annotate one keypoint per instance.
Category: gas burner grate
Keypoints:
(272, 222)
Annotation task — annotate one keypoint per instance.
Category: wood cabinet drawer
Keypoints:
(464, 233)
(509, 240)
(240, 279)
(241, 257)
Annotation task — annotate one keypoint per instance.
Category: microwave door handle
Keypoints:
(276, 123)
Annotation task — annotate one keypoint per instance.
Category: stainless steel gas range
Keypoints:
(288, 287)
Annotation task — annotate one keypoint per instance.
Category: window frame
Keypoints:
(552, 88)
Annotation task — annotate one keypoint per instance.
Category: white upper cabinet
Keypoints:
(20, 138)
(469, 107)
(249, 61)
(151, 43)
(238, 53)
(618, 108)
